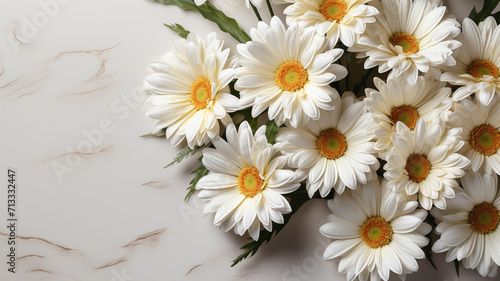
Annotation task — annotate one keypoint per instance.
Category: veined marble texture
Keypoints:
(93, 201)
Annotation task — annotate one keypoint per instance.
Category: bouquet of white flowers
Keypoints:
(291, 115)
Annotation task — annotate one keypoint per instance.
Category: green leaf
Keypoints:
(155, 134)
(184, 153)
(199, 172)
(179, 29)
(428, 249)
(298, 198)
(271, 131)
(247, 115)
(211, 13)
(486, 11)
(457, 267)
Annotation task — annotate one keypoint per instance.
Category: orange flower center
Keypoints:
(331, 144)
(376, 232)
(485, 139)
(406, 114)
(484, 218)
(334, 10)
(483, 67)
(406, 41)
(201, 93)
(418, 167)
(250, 182)
(291, 76)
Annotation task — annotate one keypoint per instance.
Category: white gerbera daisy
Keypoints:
(375, 232)
(399, 101)
(409, 36)
(469, 225)
(478, 61)
(426, 162)
(344, 19)
(288, 72)
(335, 151)
(246, 181)
(189, 91)
(480, 130)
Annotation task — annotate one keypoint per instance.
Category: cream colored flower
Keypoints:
(469, 225)
(426, 162)
(408, 37)
(246, 182)
(375, 233)
(287, 72)
(478, 61)
(335, 151)
(189, 92)
(480, 126)
(337, 19)
(398, 101)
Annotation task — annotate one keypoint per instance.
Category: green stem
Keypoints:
(256, 12)
(270, 8)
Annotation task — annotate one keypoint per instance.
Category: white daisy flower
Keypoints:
(478, 61)
(408, 37)
(344, 19)
(287, 72)
(398, 101)
(335, 151)
(480, 130)
(425, 161)
(375, 233)
(246, 181)
(469, 225)
(189, 92)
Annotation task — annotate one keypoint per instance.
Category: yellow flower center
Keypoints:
(418, 167)
(291, 76)
(406, 41)
(334, 10)
(376, 232)
(485, 139)
(249, 182)
(483, 67)
(201, 93)
(331, 144)
(484, 218)
(406, 114)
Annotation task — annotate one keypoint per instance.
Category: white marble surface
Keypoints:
(93, 201)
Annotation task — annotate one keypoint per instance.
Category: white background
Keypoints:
(93, 199)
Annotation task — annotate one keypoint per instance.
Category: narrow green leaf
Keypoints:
(486, 11)
(271, 131)
(428, 249)
(211, 13)
(184, 153)
(155, 134)
(362, 84)
(199, 172)
(496, 16)
(179, 29)
(247, 115)
(233, 90)
(457, 267)
(298, 198)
